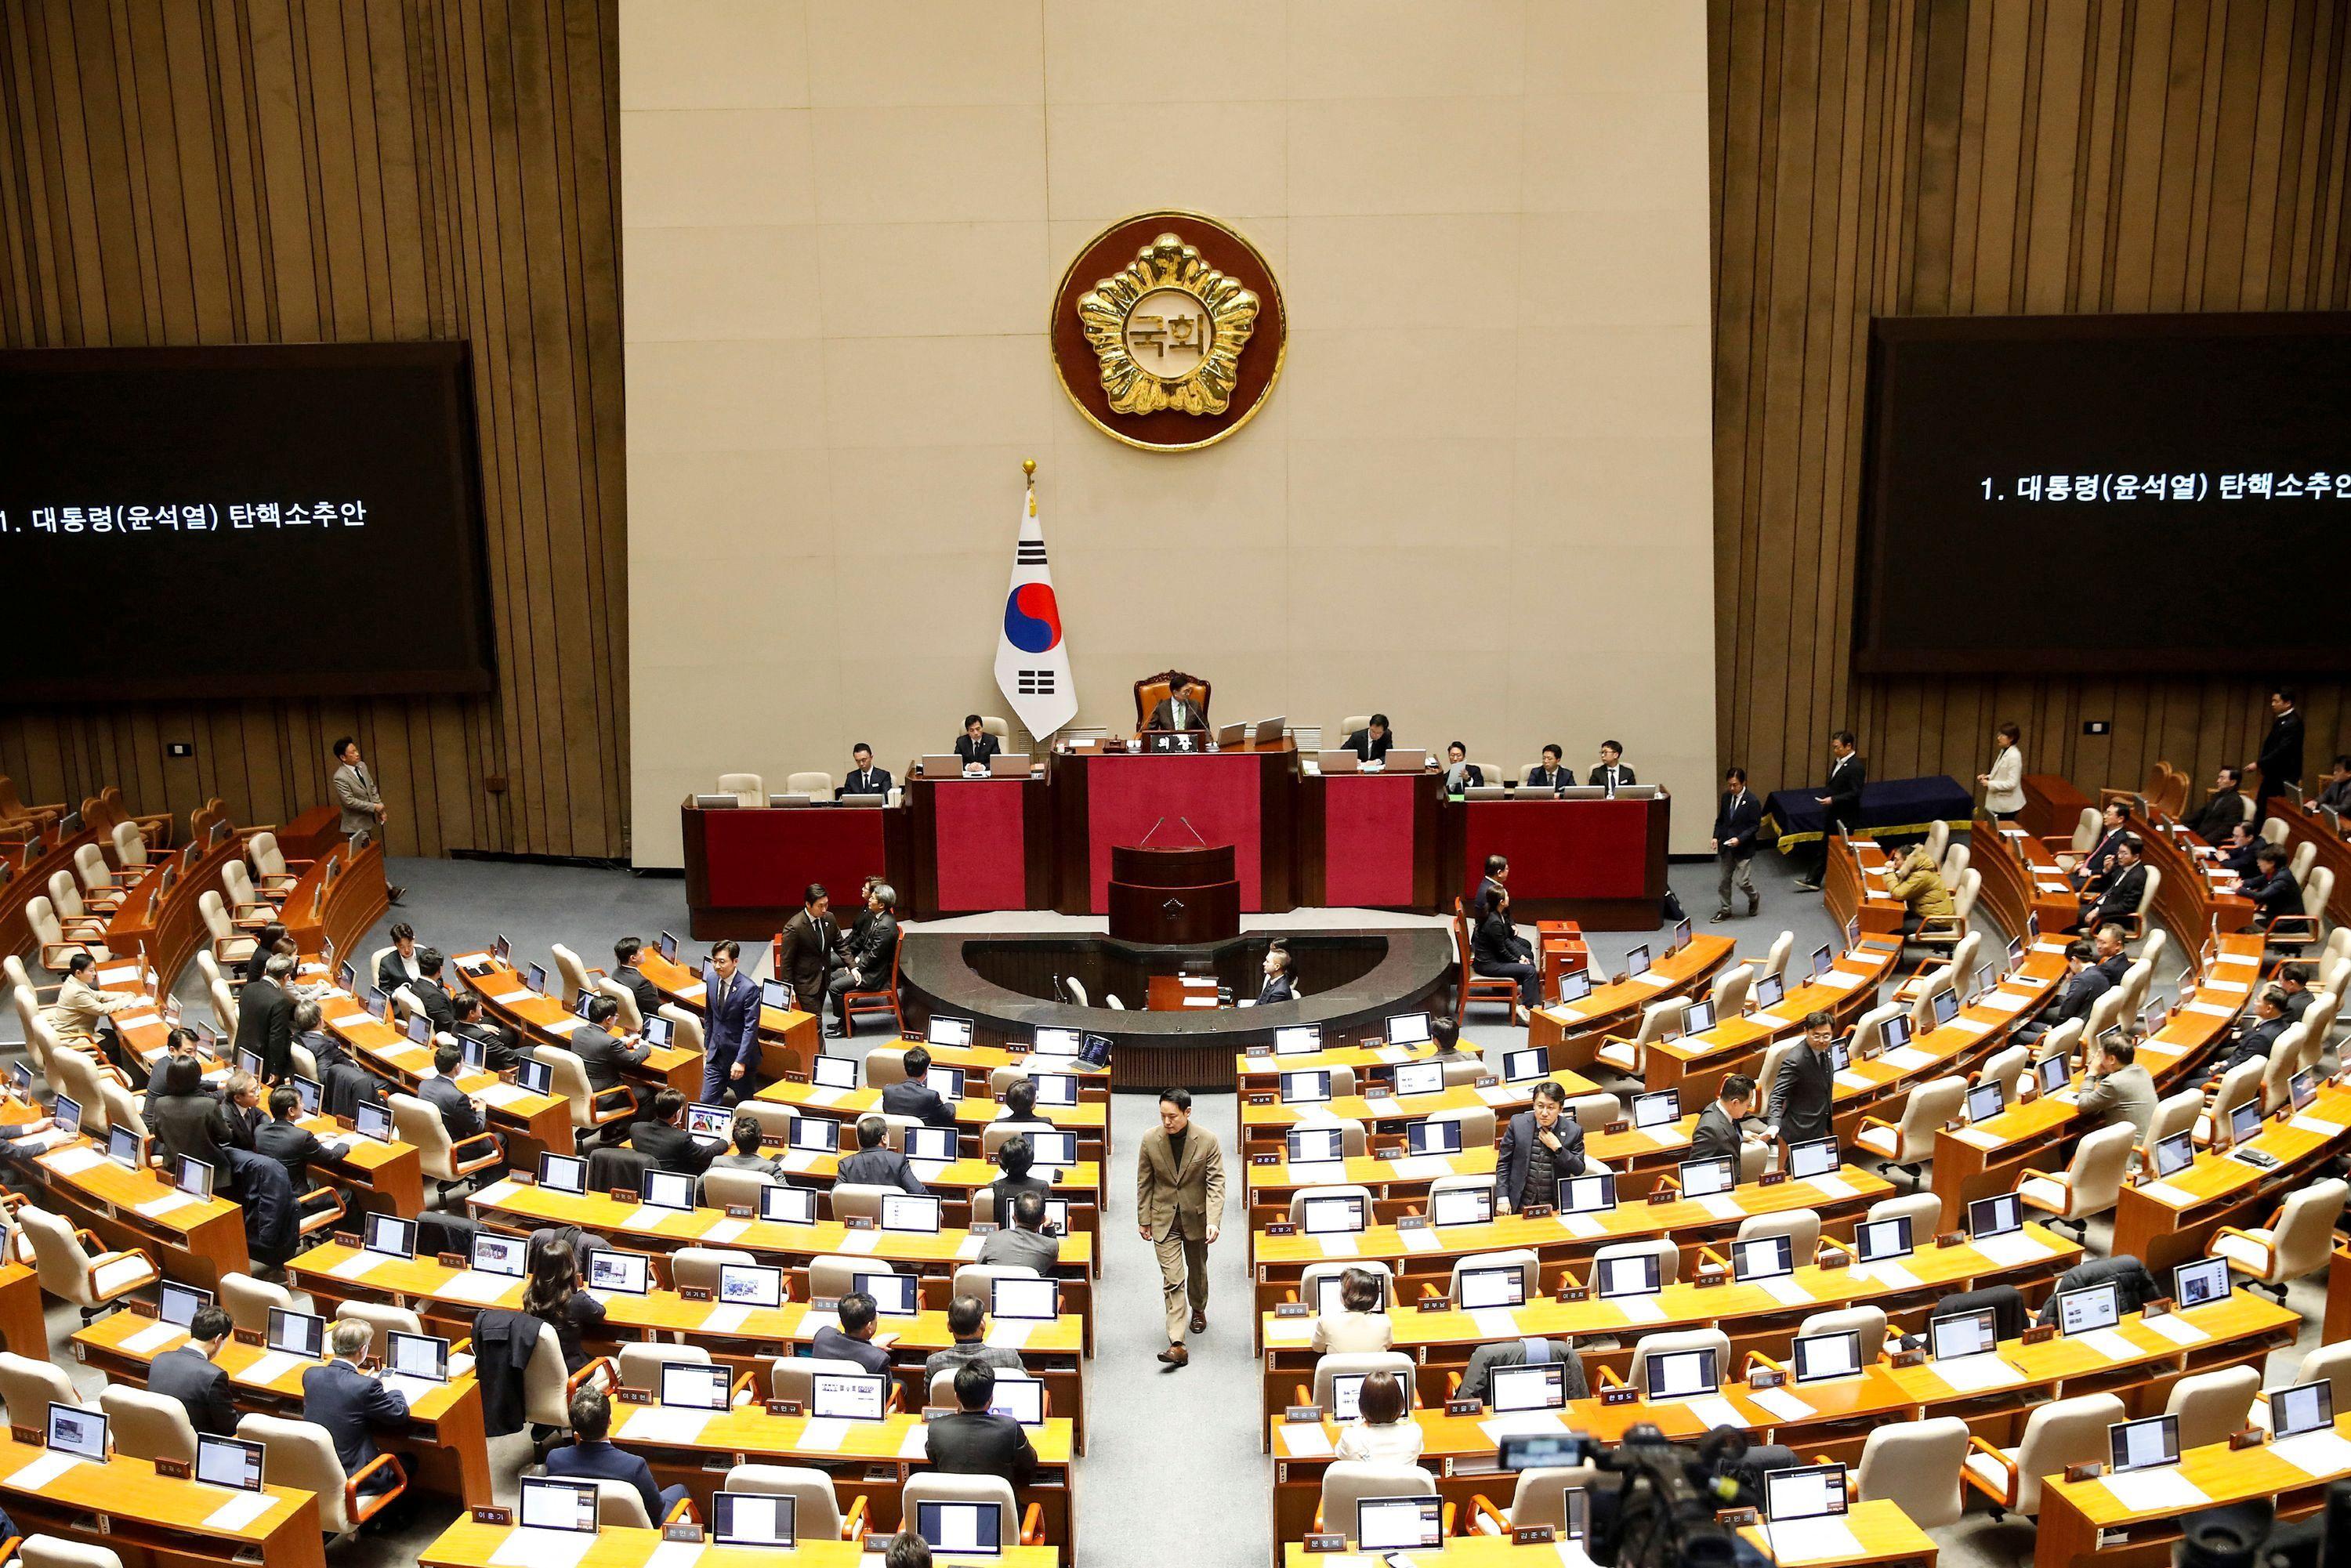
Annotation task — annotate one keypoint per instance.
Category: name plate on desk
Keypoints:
(783, 1406)
(1488, 1081)
(1762, 1377)
(1300, 1415)
(1620, 1396)
(30, 1436)
(1575, 1292)
(632, 1395)
(1463, 1407)
(1293, 1309)
(142, 1309)
(1734, 1517)
(243, 1337)
(1378, 1091)
(1908, 1358)
(501, 1517)
(858, 1222)
(1533, 1535)
(1537, 1211)
(740, 1211)
(455, 1260)
(1772, 1179)
(1952, 1238)
(2088, 1470)
(1257, 1050)
(2250, 1438)
(1412, 1222)
(1265, 1159)
(694, 1292)
(622, 1195)
(1261, 1099)
(984, 1227)
(2156, 1308)
(175, 1469)
(1707, 1278)
(1322, 1543)
(1281, 1228)
(2039, 1333)
(1663, 1194)
(682, 1531)
(1434, 1304)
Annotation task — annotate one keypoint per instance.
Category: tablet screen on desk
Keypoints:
(847, 1395)
(549, 1504)
(1055, 1087)
(1704, 1179)
(1803, 1491)
(1332, 1215)
(297, 1333)
(934, 1143)
(1986, 1100)
(176, 1303)
(776, 996)
(752, 1519)
(814, 1135)
(1518, 1066)
(1055, 1149)
(1683, 1374)
(1995, 1215)
(1054, 1040)
(836, 1073)
(307, 1093)
(2205, 1279)
(1420, 1077)
(894, 1295)
(1527, 1388)
(1492, 1287)
(195, 1177)
(1880, 1241)
(1399, 1524)
(1022, 1398)
(950, 1031)
(905, 1211)
(566, 1174)
(970, 1529)
(1821, 1356)
(1588, 1193)
(1697, 1018)
(2245, 1119)
(1438, 1136)
(623, 1273)
(1812, 1158)
(370, 1120)
(1658, 1109)
(228, 1462)
(2085, 1311)
(2175, 1154)
(750, 1285)
(125, 1147)
(1298, 1039)
(1628, 1277)
(1770, 990)
(1013, 1297)
(1311, 1087)
(391, 1236)
(947, 1082)
(504, 1256)
(694, 1385)
(1637, 962)
(787, 1205)
(2143, 1445)
(2304, 1407)
(705, 1120)
(1574, 986)
(1461, 1205)
(659, 1032)
(1962, 1334)
(533, 1076)
(1764, 1257)
(1408, 1029)
(420, 1356)
(1315, 1145)
(75, 1431)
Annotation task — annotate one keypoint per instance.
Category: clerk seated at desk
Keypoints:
(2271, 886)
(2238, 854)
(865, 778)
(975, 744)
(1277, 987)
(1551, 775)
(1461, 775)
(1175, 711)
(1611, 773)
(589, 1457)
(1371, 743)
(1919, 884)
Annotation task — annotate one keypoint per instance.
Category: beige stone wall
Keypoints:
(1479, 497)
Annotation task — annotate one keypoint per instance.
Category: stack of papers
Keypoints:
(272, 1364)
(724, 1230)
(40, 1472)
(73, 1161)
(1010, 1335)
(2112, 1344)
(2164, 1192)
(859, 1243)
(2014, 1248)
(644, 1216)
(1713, 1410)
(822, 1433)
(358, 1266)
(1320, 1172)
(1782, 1405)
(1496, 1322)
(1976, 1373)
(1832, 1187)
(510, 999)
(1851, 1080)
(1344, 1245)
(1582, 1227)
(1418, 1240)
(1893, 1276)
(2176, 1329)
(1784, 1290)
(1289, 1330)
(1415, 1167)
(664, 1424)
(1542, 1423)
(1908, 1058)
(542, 1548)
(156, 1207)
(1813, 1540)
(1722, 1206)
(2309, 1124)
(725, 1318)
(239, 1510)
(2160, 1490)
(1640, 1309)
(154, 1337)
(2319, 1453)
(1306, 1441)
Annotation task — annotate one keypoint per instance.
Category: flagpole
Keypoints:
(1028, 466)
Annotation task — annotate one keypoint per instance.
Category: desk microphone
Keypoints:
(1195, 831)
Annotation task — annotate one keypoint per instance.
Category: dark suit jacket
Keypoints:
(730, 1017)
(2276, 895)
(2100, 858)
(457, 1113)
(186, 1376)
(2259, 1037)
(988, 746)
(2243, 861)
(352, 1407)
(1362, 744)
(881, 1168)
(1801, 1096)
(2281, 756)
(1715, 1136)
(2081, 991)
(807, 949)
(672, 1148)
(1843, 790)
(872, 782)
(1494, 940)
(392, 973)
(1477, 1382)
(600, 1461)
(1162, 716)
(196, 1124)
(498, 1052)
(2224, 810)
(2122, 895)
(1472, 776)
(648, 995)
(926, 1105)
(1277, 989)
(293, 1147)
(871, 947)
(1599, 776)
(974, 1443)
(832, 1344)
(1540, 778)
(602, 1053)
(265, 1026)
(1738, 815)
(1519, 1150)
(438, 1009)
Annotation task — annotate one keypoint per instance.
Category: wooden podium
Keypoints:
(1173, 896)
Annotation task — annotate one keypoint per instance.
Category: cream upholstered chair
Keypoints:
(575, 974)
(994, 1136)
(28, 1387)
(2282, 1062)
(792, 1377)
(301, 1455)
(1629, 1054)
(1342, 1364)
(1955, 862)
(248, 904)
(2007, 1067)
(631, 1017)
(229, 945)
(567, 1075)
(1664, 1249)
(1923, 1211)
(688, 1027)
(885, 1065)
(1909, 1143)
(248, 1301)
(1802, 1227)
(89, 1280)
(65, 897)
(1310, 1279)
(1349, 725)
(749, 789)
(1477, 1125)
(696, 1267)
(1868, 1323)
(2061, 1433)
(59, 942)
(2174, 1114)
(1775, 959)
(2072, 849)
(992, 724)
(1592, 1111)
(1924, 989)
(930, 1486)
(547, 1385)
(816, 1507)
(1350, 1481)
(835, 1274)
(1540, 1497)
(2239, 1084)
(1938, 840)
(639, 1362)
(856, 1200)
(1730, 989)
(736, 1189)
(1916, 1465)
(130, 846)
(2091, 1182)
(148, 1426)
(2294, 1243)
(444, 1160)
(621, 1506)
(1869, 1028)
(272, 872)
(2304, 856)
(979, 1279)
(1528, 1262)
(2211, 1405)
(383, 1319)
(816, 786)
(57, 1551)
(101, 889)
(2137, 981)
(1636, 1373)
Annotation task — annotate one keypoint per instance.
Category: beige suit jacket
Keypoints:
(1187, 1198)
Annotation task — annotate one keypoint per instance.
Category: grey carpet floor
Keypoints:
(1175, 1478)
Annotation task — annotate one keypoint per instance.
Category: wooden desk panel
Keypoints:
(466, 1545)
(156, 1522)
(549, 1021)
(2169, 1222)
(532, 1125)
(1572, 1032)
(2074, 1513)
(195, 1240)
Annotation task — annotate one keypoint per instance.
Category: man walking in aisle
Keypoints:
(1179, 1201)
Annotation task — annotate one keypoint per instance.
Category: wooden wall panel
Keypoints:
(296, 171)
(1957, 157)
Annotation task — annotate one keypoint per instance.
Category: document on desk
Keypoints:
(1833, 1186)
(1392, 1054)
(1320, 1172)
(2319, 1453)
(511, 999)
(118, 973)
(525, 1548)
(725, 1317)
(2164, 1192)
(644, 1216)
(2309, 1124)
(1769, 1020)
(153, 1338)
(157, 1207)
(1423, 1240)
(2240, 987)
(1501, 1094)
(916, 1443)
(2160, 1491)
(724, 1230)
(73, 1161)
(967, 1249)
(823, 1434)
(412, 1389)
(1496, 1322)
(1306, 1441)
(1640, 1308)
(800, 1160)
(1908, 1058)
(822, 1094)
(1849, 1079)
(1713, 1410)
(1784, 1290)
(674, 1554)
(497, 1191)
(662, 1424)
(2211, 1009)
(2056, 947)
(1289, 1330)
(501, 1094)
(1413, 1167)
(136, 1020)
(270, 1365)
(41, 1470)
(2112, 1344)
(1973, 1026)
(1782, 1404)
(1582, 1227)
(1977, 1138)
(358, 1266)
(239, 1510)
(859, 1243)
(1344, 1245)
(1976, 1373)
(1813, 1540)
(1522, 1423)
(2010, 1250)
(1653, 979)
(1011, 1335)
(2176, 1329)
(1893, 1276)
(1721, 1206)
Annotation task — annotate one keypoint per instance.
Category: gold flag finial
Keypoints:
(1028, 466)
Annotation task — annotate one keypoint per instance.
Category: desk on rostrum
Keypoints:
(466, 1545)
